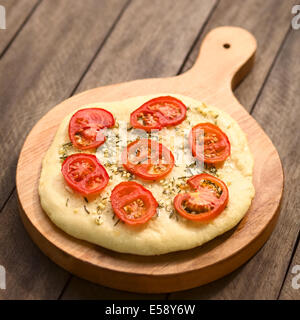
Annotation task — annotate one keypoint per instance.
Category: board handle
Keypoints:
(226, 56)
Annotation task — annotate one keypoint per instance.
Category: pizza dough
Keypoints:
(92, 218)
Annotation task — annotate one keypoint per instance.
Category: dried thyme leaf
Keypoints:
(117, 222)
(192, 165)
(86, 210)
(68, 144)
(213, 170)
(171, 214)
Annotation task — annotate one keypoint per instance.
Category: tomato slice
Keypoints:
(133, 203)
(85, 127)
(84, 173)
(207, 200)
(209, 143)
(148, 159)
(158, 113)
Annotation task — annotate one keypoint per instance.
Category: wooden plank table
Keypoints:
(53, 49)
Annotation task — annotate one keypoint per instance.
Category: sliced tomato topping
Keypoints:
(148, 159)
(133, 203)
(84, 174)
(85, 127)
(208, 198)
(158, 113)
(209, 143)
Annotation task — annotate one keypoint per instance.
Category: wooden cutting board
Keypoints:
(226, 56)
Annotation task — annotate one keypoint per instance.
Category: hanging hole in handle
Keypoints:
(226, 45)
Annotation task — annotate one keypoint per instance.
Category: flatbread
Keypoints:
(92, 219)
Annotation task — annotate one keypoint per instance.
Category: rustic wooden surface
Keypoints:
(54, 49)
(210, 80)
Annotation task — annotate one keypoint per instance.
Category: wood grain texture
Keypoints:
(17, 12)
(29, 273)
(290, 290)
(189, 268)
(151, 40)
(280, 93)
(263, 275)
(80, 289)
(268, 21)
(49, 73)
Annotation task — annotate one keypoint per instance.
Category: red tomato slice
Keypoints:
(84, 173)
(133, 203)
(213, 147)
(158, 113)
(85, 127)
(207, 200)
(148, 159)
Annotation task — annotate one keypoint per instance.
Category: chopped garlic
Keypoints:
(99, 220)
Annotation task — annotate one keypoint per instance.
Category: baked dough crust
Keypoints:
(166, 232)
